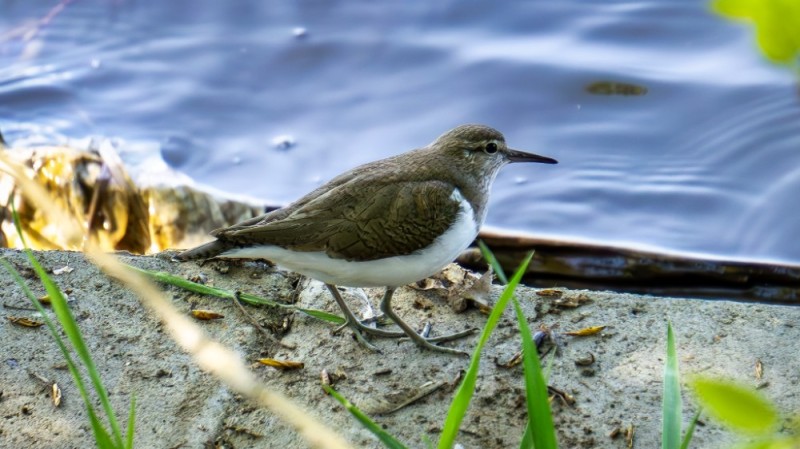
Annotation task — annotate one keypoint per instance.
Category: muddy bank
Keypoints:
(180, 406)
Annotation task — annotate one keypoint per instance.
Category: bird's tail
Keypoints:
(204, 251)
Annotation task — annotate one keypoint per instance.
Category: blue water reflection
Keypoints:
(706, 162)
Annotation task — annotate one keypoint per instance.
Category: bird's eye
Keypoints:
(490, 148)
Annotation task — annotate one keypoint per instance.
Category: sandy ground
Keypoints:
(180, 406)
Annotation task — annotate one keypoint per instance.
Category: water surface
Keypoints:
(706, 161)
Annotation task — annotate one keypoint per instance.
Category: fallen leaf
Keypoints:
(65, 269)
(428, 284)
(629, 436)
(282, 364)
(55, 393)
(453, 274)
(24, 322)
(585, 331)
(202, 314)
(515, 360)
(442, 281)
(472, 291)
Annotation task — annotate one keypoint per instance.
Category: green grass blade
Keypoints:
(671, 402)
(60, 307)
(322, 315)
(177, 281)
(463, 396)
(131, 424)
(539, 416)
(527, 437)
(740, 408)
(99, 432)
(167, 278)
(101, 436)
(690, 431)
(492, 261)
(387, 439)
(70, 326)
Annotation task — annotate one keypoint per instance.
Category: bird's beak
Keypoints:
(521, 156)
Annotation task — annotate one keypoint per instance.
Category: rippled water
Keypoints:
(707, 161)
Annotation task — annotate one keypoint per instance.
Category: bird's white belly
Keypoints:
(391, 271)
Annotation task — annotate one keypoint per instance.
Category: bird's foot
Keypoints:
(428, 342)
(451, 337)
(363, 326)
(423, 341)
(359, 329)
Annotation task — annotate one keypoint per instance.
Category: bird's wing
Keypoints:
(389, 219)
(340, 182)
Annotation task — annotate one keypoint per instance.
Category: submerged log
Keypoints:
(582, 265)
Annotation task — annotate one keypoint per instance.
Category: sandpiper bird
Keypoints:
(387, 223)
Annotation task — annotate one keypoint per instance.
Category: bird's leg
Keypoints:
(354, 323)
(386, 308)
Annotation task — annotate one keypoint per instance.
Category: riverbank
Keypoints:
(180, 406)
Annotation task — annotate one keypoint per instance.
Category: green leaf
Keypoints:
(540, 418)
(131, 423)
(322, 315)
(463, 396)
(740, 408)
(101, 436)
(527, 437)
(177, 281)
(733, 9)
(690, 431)
(777, 24)
(492, 261)
(387, 439)
(775, 442)
(671, 402)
